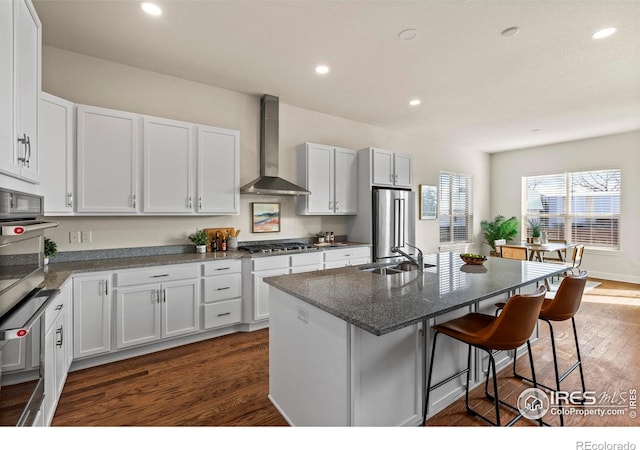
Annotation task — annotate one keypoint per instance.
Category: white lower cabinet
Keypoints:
(91, 315)
(269, 266)
(57, 347)
(151, 312)
(349, 256)
(222, 293)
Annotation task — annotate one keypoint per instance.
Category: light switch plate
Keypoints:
(74, 237)
(86, 237)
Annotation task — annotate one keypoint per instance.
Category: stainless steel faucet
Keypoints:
(419, 262)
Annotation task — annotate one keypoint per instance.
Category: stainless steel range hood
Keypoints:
(269, 182)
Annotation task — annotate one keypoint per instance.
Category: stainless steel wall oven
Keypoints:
(22, 300)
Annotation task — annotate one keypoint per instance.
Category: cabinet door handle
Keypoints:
(133, 200)
(59, 307)
(189, 202)
(157, 291)
(330, 204)
(200, 202)
(29, 151)
(224, 268)
(164, 295)
(223, 288)
(60, 332)
(337, 206)
(224, 314)
(160, 276)
(69, 199)
(23, 140)
(106, 287)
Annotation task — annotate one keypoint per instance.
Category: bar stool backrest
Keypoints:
(578, 250)
(567, 300)
(515, 324)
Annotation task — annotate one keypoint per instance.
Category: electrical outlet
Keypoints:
(86, 237)
(74, 237)
(303, 315)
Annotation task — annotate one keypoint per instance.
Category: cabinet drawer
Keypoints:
(307, 268)
(156, 274)
(222, 287)
(306, 259)
(53, 311)
(270, 262)
(347, 253)
(222, 313)
(222, 267)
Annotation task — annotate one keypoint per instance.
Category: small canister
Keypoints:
(232, 243)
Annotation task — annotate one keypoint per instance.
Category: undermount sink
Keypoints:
(393, 269)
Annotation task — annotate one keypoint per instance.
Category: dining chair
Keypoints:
(512, 252)
(508, 331)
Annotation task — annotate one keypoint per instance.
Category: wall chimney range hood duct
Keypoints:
(269, 182)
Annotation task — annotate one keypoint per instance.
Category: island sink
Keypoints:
(393, 269)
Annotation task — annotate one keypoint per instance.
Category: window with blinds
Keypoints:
(579, 207)
(455, 211)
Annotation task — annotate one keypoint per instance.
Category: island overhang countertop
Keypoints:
(381, 303)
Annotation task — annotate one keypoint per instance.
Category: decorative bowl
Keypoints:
(472, 258)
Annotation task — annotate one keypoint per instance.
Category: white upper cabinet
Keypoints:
(330, 174)
(20, 60)
(218, 169)
(108, 150)
(56, 133)
(390, 168)
(168, 166)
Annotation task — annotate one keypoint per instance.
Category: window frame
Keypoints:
(568, 215)
(450, 215)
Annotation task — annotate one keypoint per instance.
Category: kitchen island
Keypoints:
(347, 348)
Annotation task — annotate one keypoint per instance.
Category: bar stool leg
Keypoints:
(575, 335)
(426, 400)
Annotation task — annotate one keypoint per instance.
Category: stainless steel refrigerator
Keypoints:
(394, 222)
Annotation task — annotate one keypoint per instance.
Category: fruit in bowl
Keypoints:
(473, 258)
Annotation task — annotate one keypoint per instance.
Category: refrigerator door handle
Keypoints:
(401, 230)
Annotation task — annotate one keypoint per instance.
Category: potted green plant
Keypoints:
(534, 225)
(50, 249)
(320, 237)
(200, 238)
(499, 228)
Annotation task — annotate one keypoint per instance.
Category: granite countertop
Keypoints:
(381, 304)
(57, 273)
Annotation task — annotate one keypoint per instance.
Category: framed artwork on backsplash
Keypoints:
(265, 217)
(428, 202)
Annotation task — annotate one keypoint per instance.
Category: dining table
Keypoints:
(537, 251)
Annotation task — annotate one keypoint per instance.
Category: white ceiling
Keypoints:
(479, 90)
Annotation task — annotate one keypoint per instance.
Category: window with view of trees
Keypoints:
(455, 210)
(579, 207)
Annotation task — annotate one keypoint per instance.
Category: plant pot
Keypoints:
(536, 240)
(46, 260)
(320, 239)
(201, 248)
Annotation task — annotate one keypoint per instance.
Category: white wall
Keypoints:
(83, 79)
(621, 151)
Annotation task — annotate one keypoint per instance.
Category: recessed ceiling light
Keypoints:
(322, 69)
(511, 31)
(605, 32)
(408, 34)
(151, 8)
(415, 102)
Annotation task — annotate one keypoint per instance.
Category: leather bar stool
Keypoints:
(508, 331)
(563, 306)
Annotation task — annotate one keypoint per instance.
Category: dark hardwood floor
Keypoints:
(224, 381)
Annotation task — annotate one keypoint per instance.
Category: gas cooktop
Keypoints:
(277, 247)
